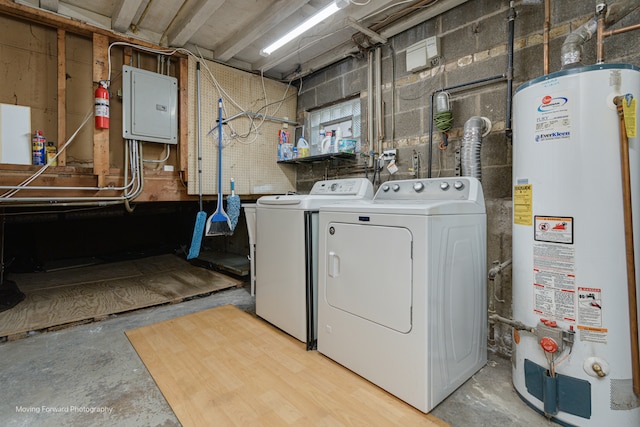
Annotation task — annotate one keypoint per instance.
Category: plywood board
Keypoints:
(251, 156)
(223, 366)
(67, 296)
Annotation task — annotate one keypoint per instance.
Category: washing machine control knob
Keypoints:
(444, 185)
(385, 188)
(458, 185)
(396, 187)
(418, 187)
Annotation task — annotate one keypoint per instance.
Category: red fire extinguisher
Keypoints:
(102, 105)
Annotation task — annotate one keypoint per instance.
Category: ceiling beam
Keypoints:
(184, 27)
(371, 34)
(73, 26)
(241, 39)
(349, 48)
(123, 13)
(342, 51)
(320, 33)
(420, 17)
(50, 5)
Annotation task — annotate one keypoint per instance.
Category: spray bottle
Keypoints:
(39, 153)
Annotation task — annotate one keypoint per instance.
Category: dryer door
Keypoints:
(369, 273)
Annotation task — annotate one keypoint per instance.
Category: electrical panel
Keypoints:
(149, 106)
(423, 54)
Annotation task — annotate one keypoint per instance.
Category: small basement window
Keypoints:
(341, 120)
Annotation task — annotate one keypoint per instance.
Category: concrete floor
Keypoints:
(93, 372)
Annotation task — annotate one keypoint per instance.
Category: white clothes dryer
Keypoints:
(401, 282)
(286, 265)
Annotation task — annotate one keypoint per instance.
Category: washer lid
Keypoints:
(322, 193)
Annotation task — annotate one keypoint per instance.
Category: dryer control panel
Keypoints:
(455, 188)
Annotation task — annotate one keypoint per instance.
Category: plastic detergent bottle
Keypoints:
(52, 150)
(303, 147)
(326, 143)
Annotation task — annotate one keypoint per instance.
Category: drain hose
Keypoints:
(474, 130)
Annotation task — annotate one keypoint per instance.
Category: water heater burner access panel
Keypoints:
(149, 106)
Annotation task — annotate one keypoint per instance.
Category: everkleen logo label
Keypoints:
(552, 135)
(550, 104)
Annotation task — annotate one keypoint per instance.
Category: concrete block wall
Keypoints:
(474, 45)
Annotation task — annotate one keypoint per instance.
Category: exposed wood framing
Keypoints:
(159, 185)
(62, 94)
(8, 7)
(100, 136)
(127, 56)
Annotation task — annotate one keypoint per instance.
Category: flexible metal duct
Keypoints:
(474, 130)
(571, 52)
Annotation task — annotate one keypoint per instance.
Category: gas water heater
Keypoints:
(573, 360)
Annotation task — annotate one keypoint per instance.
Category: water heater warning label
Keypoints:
(554, 281)
(554, 229)
(590, 307)
(590, 315)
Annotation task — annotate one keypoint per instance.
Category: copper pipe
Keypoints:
(545, 37)
(628, 234)
(600, 40)
(621, 30)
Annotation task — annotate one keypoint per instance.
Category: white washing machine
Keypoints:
(287, 254)
(401, 282)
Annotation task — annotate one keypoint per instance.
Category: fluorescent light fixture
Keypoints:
(306, 25)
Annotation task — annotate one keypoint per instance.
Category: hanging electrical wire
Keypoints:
(134, 161)
(168, 150)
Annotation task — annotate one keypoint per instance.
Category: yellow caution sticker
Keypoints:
(629, 110)
(522, 204)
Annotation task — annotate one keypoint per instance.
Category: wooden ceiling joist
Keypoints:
(28, 13)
